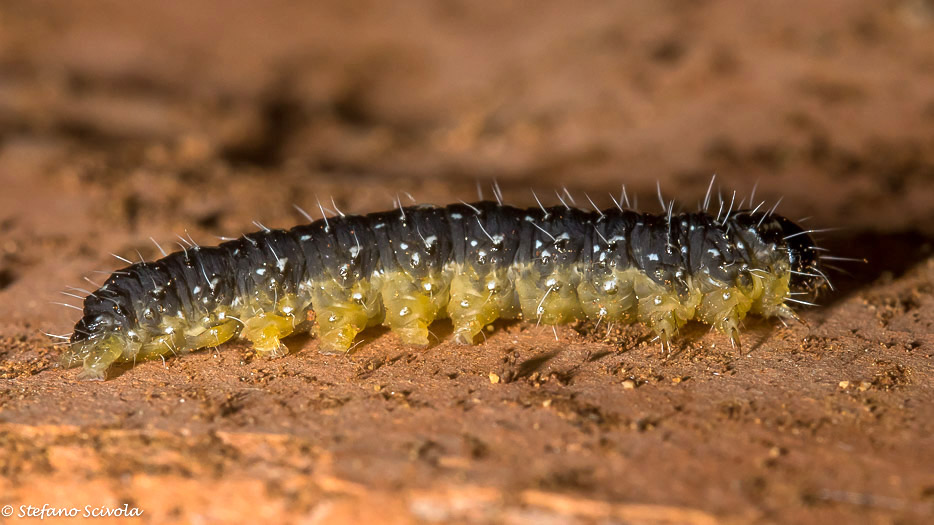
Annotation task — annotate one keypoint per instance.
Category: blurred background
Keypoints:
(194, 112)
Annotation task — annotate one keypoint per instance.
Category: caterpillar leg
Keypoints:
(775, 291)
(339, 324)
(412, 306)
(266, 330)
(550, 299)
(665, 313)
(478, 301)
(607, 297)
(341, 313)
(724, 309)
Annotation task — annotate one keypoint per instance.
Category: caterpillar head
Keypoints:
(779, 237)
(804, 257)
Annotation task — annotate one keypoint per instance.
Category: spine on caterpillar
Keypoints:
(473, 263)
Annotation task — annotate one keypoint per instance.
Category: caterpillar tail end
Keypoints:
(94, 356)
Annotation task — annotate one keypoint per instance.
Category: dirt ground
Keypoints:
(120, 121)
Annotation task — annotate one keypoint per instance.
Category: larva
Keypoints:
(473, 263)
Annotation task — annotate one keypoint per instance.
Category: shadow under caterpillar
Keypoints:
(473, 263)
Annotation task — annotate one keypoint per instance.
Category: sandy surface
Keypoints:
(123, 121)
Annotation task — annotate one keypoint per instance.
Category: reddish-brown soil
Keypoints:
(125, 120)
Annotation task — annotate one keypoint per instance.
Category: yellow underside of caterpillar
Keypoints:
(470, 298)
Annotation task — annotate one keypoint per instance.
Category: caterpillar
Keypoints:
(470, 262)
